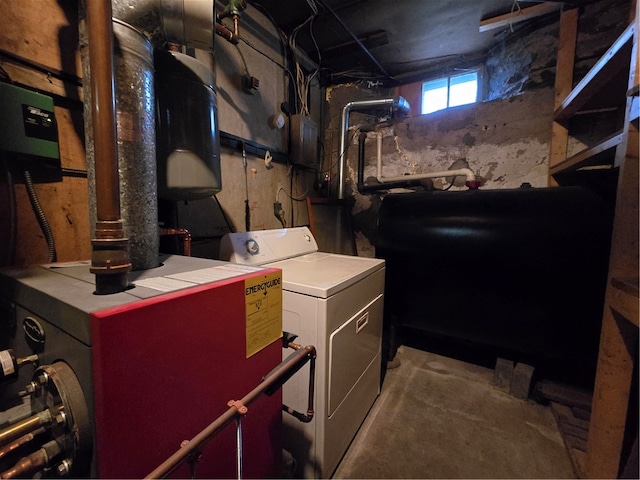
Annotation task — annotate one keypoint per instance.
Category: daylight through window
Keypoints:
(449, 92)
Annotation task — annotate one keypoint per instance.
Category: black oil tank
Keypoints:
(519, 273)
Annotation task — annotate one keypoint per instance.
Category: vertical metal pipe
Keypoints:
(361, 139)
(110, 255)
(103, 108)
(239, 447)
(363, 105)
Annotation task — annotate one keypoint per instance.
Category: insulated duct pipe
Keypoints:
(398, 103)
(184, 22)
(130, 240)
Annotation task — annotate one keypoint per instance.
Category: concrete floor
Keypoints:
(438, 417)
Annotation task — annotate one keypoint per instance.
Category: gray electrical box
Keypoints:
(28, 124)
(304, 141)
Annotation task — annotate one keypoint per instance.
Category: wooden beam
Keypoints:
(563, 85)
(518, 16)
(615, 61)
(566, 55)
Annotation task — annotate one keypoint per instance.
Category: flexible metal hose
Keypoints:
(42, 219)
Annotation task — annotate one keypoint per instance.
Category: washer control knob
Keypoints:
(307, 237)
(252, 246)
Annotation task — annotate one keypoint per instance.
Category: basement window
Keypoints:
(450, 91)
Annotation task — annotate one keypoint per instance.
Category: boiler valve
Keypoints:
(57, 437)
(233, 10)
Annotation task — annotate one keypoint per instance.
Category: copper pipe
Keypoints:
(110, 256)
(180, 232)
(226, 33)
(236, 25)
(305, 418)
(272, 379)
(25, 426)
(16, 444)
(100, 33)
(31, 464)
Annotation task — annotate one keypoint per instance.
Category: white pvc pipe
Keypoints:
(468, 173)
(363, 105)
(471, 177)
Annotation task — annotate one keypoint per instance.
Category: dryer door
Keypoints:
(352, 349)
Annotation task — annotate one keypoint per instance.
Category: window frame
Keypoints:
(479, 71)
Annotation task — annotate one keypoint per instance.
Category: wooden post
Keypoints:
(563, 84)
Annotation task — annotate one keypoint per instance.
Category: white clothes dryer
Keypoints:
(335, 303)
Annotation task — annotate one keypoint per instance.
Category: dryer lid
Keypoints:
(322, 274)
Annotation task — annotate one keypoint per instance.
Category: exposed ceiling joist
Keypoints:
(520, 15)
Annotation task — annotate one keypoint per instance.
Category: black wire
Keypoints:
(224, 215)
(283, 67)
(451, 184)
(11, 204)
(41, 217)
(291, 197)
(284, 46)
(337, 162)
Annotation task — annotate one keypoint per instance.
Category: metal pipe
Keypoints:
(468, 173)
(103, 108)
(305, 418)
(379, 152)
(403, 180)
(110, 255)
(180, 232)
(471, 177)
(282, 370)
(239, 448)
(131, 241)
(361, 140)
(19, 442)
(35, 462)
(364, 105)
(389, 185)
(225, 33)
(25, 426)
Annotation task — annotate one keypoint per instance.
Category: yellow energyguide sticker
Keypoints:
(263, 307)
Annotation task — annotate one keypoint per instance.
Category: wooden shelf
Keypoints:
(612, 84)
(605, 150)
(614, 63)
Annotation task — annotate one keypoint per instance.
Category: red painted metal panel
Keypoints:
(164, 368)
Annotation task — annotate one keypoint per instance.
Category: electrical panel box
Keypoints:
(304, 141)
(28, 124)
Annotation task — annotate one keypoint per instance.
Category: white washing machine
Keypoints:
(334, 302)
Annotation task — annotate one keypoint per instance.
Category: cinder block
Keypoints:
(521, 381)
(502, 374)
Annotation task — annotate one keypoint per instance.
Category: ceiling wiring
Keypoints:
(303, 81)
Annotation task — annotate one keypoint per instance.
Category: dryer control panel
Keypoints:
(265, 246)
